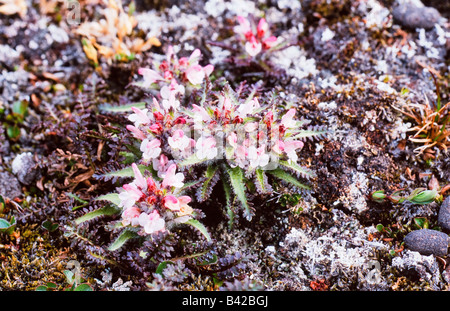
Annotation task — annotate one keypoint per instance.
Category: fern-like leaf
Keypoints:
(312, 133)
(126, 235)
(104, 211)
(121, 108)
(200, 227)
(262, 186)
(297, 169)
(110, 197)
(237, 183)
(229, 202)
(211, 178)
(192, 160)
(285, 176)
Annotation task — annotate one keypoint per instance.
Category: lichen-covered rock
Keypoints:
(9, 186)
(428, 242)
(412, 15)
(444, 215)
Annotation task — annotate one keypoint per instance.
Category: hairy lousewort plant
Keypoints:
(255, 38)
(232, 138)
(175, 72)
(149, 206)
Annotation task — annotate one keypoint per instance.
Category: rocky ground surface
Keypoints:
(350, 64)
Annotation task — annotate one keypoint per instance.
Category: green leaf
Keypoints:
(51, 285)
(74, 196)
(421, 196)
(228, 201)
(70, 276)
(211, 261)
(261, 181)
(128, 171)
(126, 235)
(104, 211)
(297, 169)
(49, 225)
(13, 132)
(200, 227)
(421, 222)
(20, 107)
(310, 134)
(7, 226)
(110, 197)
(192, 160)
(83, 288)
(41, 288)
(285, 176)
(237, 183)
(162, 266)
(121, 108)
(205, 189)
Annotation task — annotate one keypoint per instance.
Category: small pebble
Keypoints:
(428, 242)
(444, 215)
(24, 168)
(412, 16)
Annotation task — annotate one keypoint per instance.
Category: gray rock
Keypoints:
(9, 186)
(412, 16)
(24, 168)
(428, 242)
(444, 215)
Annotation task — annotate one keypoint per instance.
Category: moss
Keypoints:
(29, 259)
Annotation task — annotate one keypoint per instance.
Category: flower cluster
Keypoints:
(243, 133)
(256, 38)
(175, 72)
(151, 205)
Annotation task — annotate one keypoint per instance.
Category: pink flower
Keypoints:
(206, 148)
(179, 140)
(247, 108)
(278, 147)
(244, 27)
(253, 47)
(171, 179)
(287, 120)
(137, 133)
(193, 59)
(196, 73)
(269, 42)
(150, 149)
(139, 117)
(262, 28)
(150, 76)
(200, 112)
(257, 156)
(139, 180)
(151, 222)
(251, 126)
(185, 209)
(161, 165)
(171, 202)
(290, 148)
(129, 196)
(232, 139)
(130, 216)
